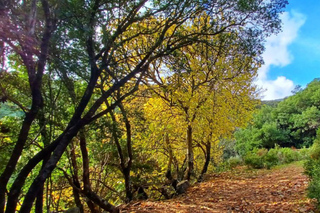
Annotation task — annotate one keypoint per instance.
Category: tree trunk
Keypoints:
(127, 168)
(207, 161)
(39, 200)
(168, 173)
(172, 180)
(77, 199)
(20, 180)
(46, 142)
(11, 165)
(75, 179)
(85, 167)
(35, 73)
(50, 165)
(127, 181)
(189, 170)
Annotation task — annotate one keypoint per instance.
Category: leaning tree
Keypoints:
(110, 45)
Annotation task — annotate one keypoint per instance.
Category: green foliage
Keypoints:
(312, 169)
(314, 186)
(10, 119)
(263, 158)
(291, 122)
(229, 163)
(263, 132)
(10, 110)
(76, 62)
(234, 161)
(304, 153)
(228, 146)
(247, 140)
(288, 155)
(300, 115)
(271, 158)
(255, 158)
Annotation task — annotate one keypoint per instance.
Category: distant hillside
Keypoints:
(272, 103)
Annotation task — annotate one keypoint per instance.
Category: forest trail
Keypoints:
(277, 190)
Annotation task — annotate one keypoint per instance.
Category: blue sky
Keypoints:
(293, 56)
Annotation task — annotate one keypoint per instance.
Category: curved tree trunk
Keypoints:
(207, 161)
(125, 166)
(35, 73)
(35, 79)
(20, 180)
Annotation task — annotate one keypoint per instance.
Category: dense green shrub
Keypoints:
(304, 153)
(262, 158)
(288, 155)
(271, 158)
(254, 159)
(234, 161)
(313, 188)
(312, 169)
(229, 163)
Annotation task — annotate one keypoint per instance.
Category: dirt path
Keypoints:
(276, 190)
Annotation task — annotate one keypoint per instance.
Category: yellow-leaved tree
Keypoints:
(203, 91)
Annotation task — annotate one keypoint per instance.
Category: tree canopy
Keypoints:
(75, 116)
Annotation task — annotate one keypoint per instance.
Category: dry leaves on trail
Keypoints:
(277, 190)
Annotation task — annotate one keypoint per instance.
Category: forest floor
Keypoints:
(282, 189)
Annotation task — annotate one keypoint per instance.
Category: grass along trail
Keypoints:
(281, 189)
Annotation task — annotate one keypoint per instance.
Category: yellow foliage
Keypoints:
(207, 88)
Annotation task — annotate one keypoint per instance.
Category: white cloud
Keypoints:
(276, 89)
(277, 54)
